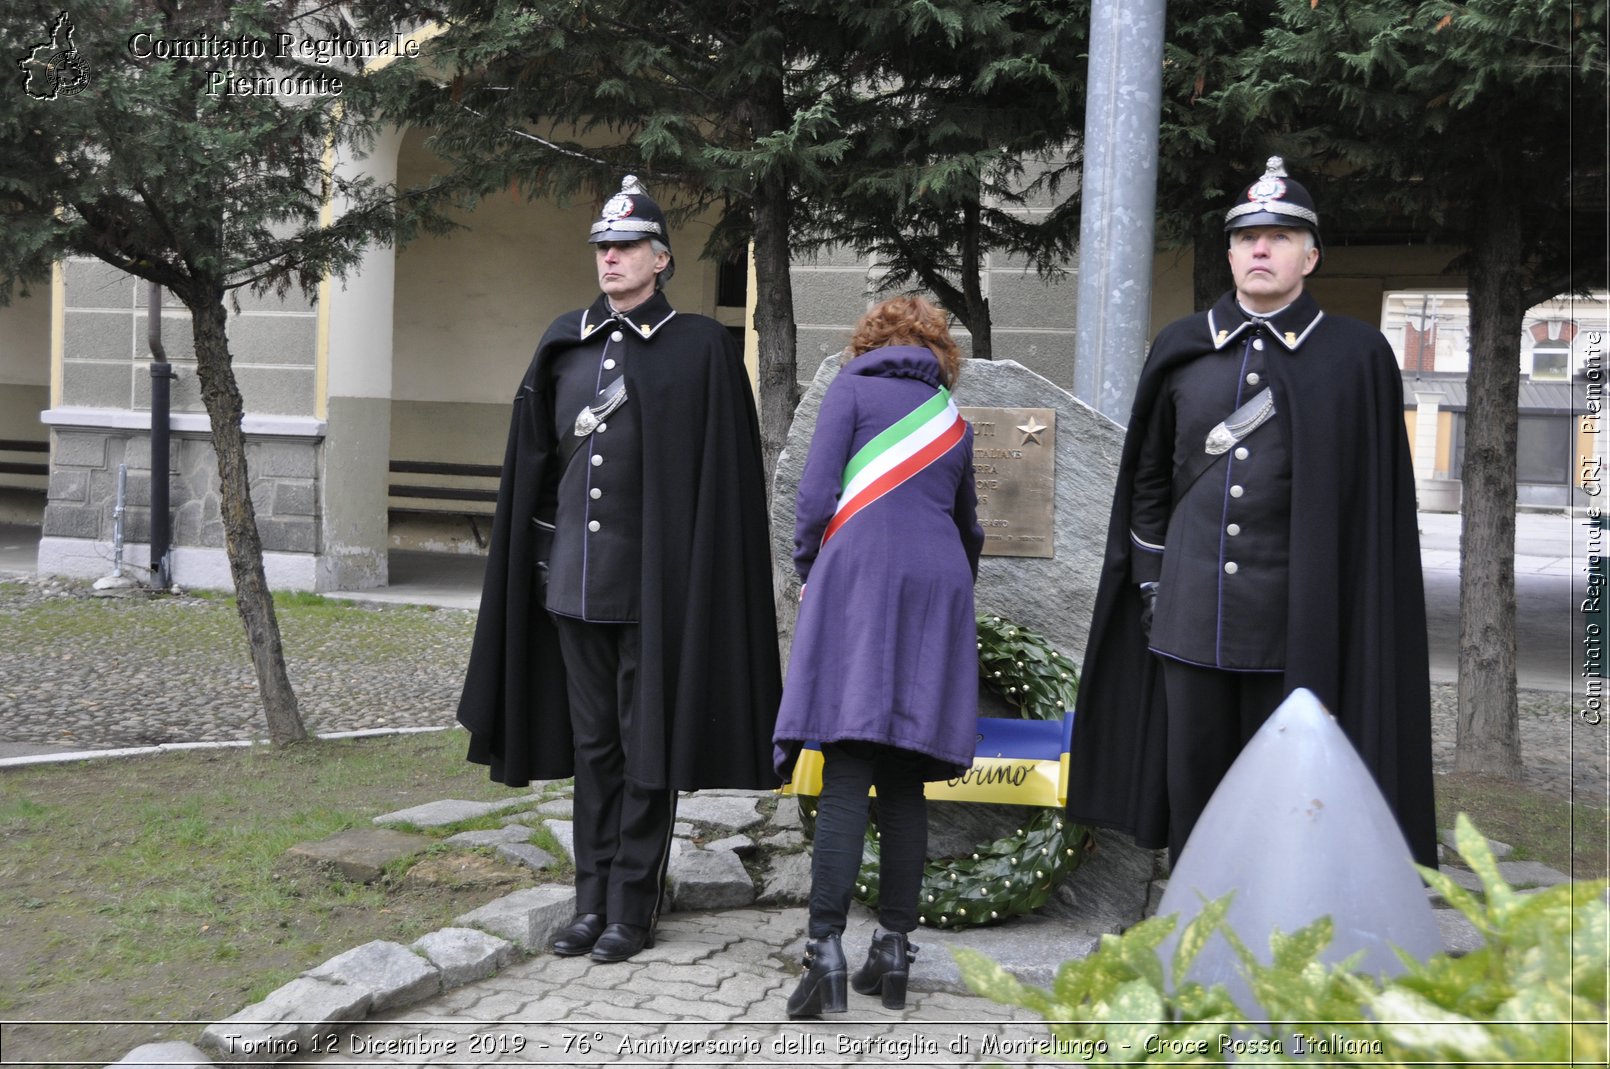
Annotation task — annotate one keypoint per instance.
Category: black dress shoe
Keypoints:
(579, 936)
(888, 963)
(620, 941)
(821, 988)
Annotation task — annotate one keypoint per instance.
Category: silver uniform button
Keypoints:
(595, 493)
(1236, 491)
(617, 336)
(597, 460)
(608, 366)
(1233, 530)
(1257, 343)
(594, 525)
(1241, 453)
(1252, 378)
(1230, 567)
(602, 427)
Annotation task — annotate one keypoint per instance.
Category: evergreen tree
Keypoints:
(1482, 123)
(960, 115)
(722, 101)
(1207, 152)
(147, 163)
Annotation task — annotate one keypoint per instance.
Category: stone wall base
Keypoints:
(195, 567)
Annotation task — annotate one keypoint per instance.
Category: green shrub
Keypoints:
(1534, 993)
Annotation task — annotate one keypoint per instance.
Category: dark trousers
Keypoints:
(848, 770)
(1212, 714)
(622, 832)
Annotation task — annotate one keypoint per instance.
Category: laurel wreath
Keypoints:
(1014, 874)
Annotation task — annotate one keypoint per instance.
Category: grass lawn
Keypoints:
(156, 888)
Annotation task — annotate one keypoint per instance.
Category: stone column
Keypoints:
(355, 361)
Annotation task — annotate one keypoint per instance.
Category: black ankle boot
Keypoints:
(821, 989)
(888, 963)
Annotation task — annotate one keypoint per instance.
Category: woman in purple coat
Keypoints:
(884, 670)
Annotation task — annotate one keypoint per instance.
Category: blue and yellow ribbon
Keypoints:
(1015, 762)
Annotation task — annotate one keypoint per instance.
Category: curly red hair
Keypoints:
(908, 320)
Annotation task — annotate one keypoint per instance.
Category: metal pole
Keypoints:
(1119, 201)
(161, 375)
(118, 512)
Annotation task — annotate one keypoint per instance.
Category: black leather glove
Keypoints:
(1148, 603)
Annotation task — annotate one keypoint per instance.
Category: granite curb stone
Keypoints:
(392, 974)
(463, 955)
(284, 1024)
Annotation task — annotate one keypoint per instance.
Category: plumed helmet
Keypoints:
(1275, 200)
(632, 215)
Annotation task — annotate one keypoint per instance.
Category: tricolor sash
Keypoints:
(896, 455)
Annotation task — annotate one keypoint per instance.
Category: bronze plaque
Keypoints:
(1014, 461)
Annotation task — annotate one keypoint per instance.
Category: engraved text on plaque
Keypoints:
(1014, 460)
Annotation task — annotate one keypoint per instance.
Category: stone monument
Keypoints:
(1050, 591)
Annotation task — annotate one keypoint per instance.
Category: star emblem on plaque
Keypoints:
(1031, 429)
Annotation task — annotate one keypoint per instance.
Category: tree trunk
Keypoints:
(242, 545)
(972, 263)
(1210, 267)
(1488, 734)
(774, 295)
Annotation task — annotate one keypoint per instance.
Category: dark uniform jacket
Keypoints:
(1354, 617)
(1217, 545)
(708, 682)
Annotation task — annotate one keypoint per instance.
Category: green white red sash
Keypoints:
(896, 455)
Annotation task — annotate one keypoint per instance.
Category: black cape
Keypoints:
(709, 680)
(1356, 630)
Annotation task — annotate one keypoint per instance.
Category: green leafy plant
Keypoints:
(1534, 993)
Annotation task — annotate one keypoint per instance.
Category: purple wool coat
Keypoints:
(886, 645)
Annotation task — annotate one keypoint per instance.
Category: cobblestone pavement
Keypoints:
(85, 672)
(89, 672)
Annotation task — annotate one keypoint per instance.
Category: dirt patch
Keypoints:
(464, 873)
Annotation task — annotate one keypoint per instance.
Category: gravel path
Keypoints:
(90, 672)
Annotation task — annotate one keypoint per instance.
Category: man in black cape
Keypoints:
(627, 633)
(1263, 538)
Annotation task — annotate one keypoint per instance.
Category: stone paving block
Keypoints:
(391, 973)
(709, 879)
(509, 833)
(447, 811)
(564, 833)
(463, 955)
(166, 1055)
(1459, 936)
(787, 881)
(727, 811)
(1445, 838)
(526, 918)
(786, 815)
(281, 1026)
(1531, 874)
(361, 854)
(738, 844)
(1463, 877)
(532, 857)
(787, 839)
